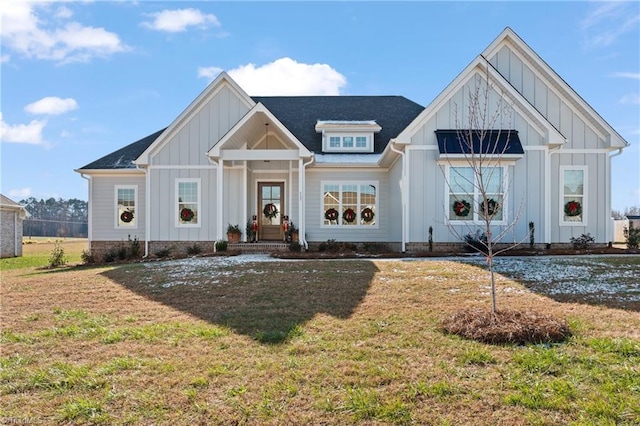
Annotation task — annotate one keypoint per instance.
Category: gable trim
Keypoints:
(217, 150)
(481, 66)
(223, 80)
(558, 85)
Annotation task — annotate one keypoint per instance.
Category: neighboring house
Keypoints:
(12, 215)
(634, 221)
(362, 168)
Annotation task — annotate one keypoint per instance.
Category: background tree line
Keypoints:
(55, 218)
(629, 211)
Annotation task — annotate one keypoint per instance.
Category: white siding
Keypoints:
(192, 141)
(103, 208)
(163, 205)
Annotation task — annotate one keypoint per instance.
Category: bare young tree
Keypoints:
(477, 185)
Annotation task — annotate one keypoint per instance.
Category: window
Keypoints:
(349, 143)
(573, 195)
(188, 206)
(126, 200)
(465, 199)
(352, 204)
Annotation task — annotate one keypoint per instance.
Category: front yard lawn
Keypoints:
(254, 340)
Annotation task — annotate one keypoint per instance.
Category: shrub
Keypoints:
(57, 257)
(632, 236)
(194, 250)
(87, 257)
(134, 247)
(476, 241)
(122, 253)
(329, 245)
(295, 246)
(162, 253)
(582, 242)
(221, 245)
(111, 256)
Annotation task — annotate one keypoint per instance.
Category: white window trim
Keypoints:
(340, 184)
(585, 193)
(326, 147)
(116, 217)
(476, 220)
(177, 203)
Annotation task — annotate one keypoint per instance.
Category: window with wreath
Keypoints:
(573, 180)
(188, 206)
(126, 206)
(351, 204)
(466, 202)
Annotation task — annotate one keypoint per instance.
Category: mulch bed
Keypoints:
(506, 326)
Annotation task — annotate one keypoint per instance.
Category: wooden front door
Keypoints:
(270, 194)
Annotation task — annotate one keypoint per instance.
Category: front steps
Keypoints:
(266, 247)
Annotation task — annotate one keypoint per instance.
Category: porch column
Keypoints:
(219, 199)
(301, 224)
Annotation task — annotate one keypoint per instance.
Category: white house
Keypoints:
(364, 168)
(12, 215)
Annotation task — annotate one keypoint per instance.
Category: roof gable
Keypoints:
(546, 73)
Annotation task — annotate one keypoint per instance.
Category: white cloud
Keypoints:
(51, 105)
(209, 72)
(22, 133)
(63, 12)
(630, 99)
(175, 21)
(284, 77)
(632, 75)
(20, 193)
(607, 21)
(28, 31)
(4, 58)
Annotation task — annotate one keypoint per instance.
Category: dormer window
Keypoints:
(347, 136)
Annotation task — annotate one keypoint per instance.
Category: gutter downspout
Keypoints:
(89, 211)
(217, 164)
(403, 190)
(547, 190)
(302, 178)
(147, 209)
(610, 226)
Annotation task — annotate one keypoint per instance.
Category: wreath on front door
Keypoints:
(349, 215)
(573, 208)
(367, 214)
(270, 211)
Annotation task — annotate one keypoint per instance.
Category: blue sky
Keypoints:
(82, 79)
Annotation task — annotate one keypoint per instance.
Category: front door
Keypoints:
(270, 200)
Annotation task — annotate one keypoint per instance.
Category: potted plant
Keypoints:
(233, 233)
(292, 233)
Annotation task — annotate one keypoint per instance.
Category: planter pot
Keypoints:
(233, 238)
(294, 236)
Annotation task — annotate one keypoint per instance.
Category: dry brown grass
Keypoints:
(307, 342)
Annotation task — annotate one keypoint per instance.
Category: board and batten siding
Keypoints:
(548, 100)
(164, 208)
(103, 208)
(314, 208)
(189, 145)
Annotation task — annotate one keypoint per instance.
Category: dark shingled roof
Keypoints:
(507, 141)
(124, 157)
(299, 114)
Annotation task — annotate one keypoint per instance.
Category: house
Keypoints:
(365, 168)
(12, 215)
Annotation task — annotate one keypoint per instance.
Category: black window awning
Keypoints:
(457, 143)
